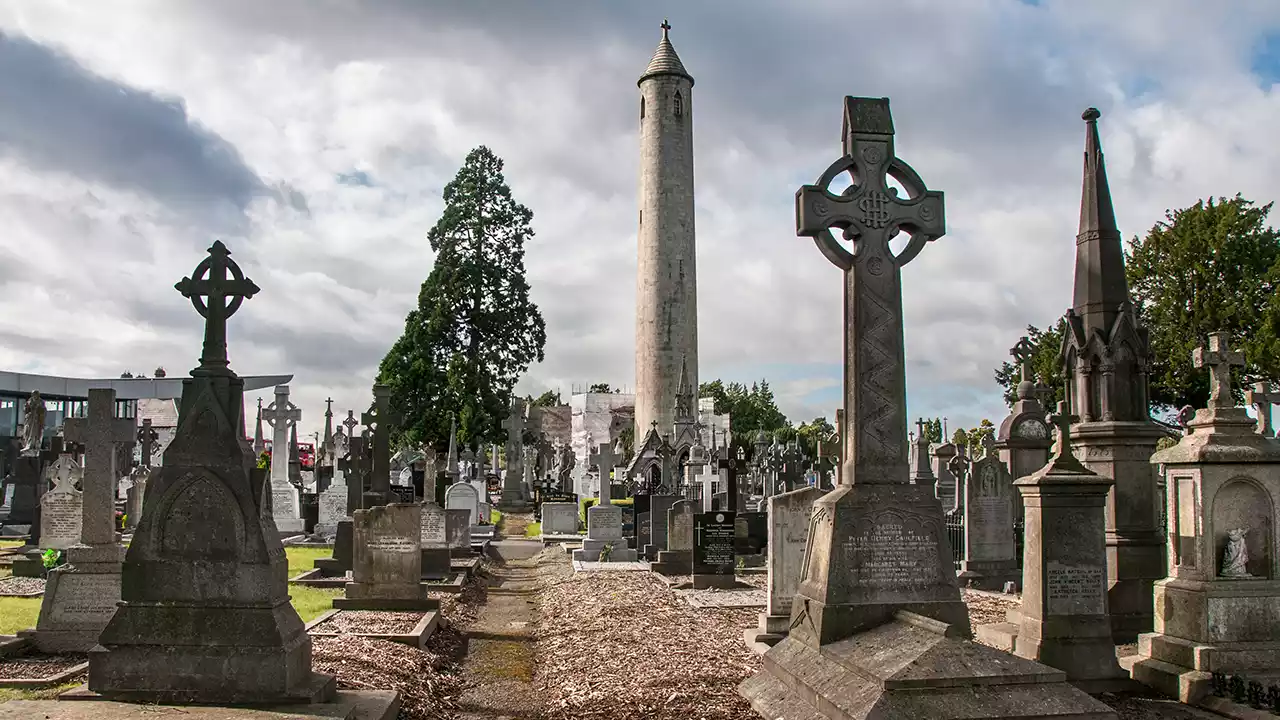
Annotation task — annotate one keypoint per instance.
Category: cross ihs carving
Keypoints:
(1219, 357)
(870, 214)
(100, 433)
(1261, 398)
(219, 279)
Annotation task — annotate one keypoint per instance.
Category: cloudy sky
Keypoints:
(314, 137)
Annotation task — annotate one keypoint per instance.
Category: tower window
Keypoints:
(679, 105)
(641, 107)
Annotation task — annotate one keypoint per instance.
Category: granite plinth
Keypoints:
(592, 549)
(340, 562)
(673, 562)
(910, 667)
(79, 599)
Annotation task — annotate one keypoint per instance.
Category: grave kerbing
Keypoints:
(878, 628)
(205, 614)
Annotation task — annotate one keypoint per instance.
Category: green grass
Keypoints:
(18, 614)
(48, 693)
(311, 602)
(585, 503)
(494, 516)
(302, 559)
(10, 543)
(533, 529)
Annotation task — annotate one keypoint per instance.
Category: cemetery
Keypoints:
(457, 551)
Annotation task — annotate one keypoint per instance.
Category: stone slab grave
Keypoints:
(677, 559)
(413, 631)
(386, 571)
(615, 566)
(346, 705)
(1218, 610)
(80, 596)
(458, 528)
(205, 579)
(737, 598)
(878, 627)
(1063, 620)
(788, 516)
(22, 666)
(286, 500)
(714, 559)
(559, 518)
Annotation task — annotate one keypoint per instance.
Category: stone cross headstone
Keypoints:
(62, 505)
(205, 580)
(286, 508)
(147, 439)
(512, 481)
(380, 417)
(1219, 358)
(607, 458)
(1261, 398)
(333, 503)
(705, 480)
(101, 434)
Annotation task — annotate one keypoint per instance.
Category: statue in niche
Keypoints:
(33, 424)
(1236, 556)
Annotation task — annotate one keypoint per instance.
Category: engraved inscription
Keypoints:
(60, 518)
(395, 545)
(85, 599)
(875, 209)
(892, 554)
(989, 526)
(1075, 589)
(434, 529)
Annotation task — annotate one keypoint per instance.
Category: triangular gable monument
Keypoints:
(877, 627)
(205, 614)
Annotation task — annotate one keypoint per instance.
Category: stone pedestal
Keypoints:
(788, 536)
(1213, 614)
(604, 529)
(340, 563)
(677, 559)
(1135, 549)
(79, 599)
(1063, 621)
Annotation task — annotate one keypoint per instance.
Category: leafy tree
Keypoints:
(550, 398)
(750, 409)
(960, 438)
(475, 330)
(628, 437)
(973, 436)
(932, 430)
(599, 388)
(1045, 365)
(811, 433)
(1207, 268)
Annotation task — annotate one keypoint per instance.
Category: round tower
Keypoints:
(666, 269)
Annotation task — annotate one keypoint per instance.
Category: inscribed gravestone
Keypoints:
(559, 518)
(386, 570)
(989, 560)
(463, 496)
(714, 558)
(788, 535)
(659, 506)
(435, 541)
(458, 528)
(62, 506)
(333, 504)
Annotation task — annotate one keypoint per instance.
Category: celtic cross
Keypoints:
(1219, 357)
(350, 423)
(147, 439)
(1022, 352)
(1261, 397)
(219, 279)
(870, 213)
(381, 417)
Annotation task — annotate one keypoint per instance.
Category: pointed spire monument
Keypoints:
(205, 581)
(1105, 357)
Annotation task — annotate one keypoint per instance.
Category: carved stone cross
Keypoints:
(100, 433)
(1219, 357)
(219, 279)
(870, 213)
(606, 460)
(350, 423)
(1022, 352)
(147, 439)
(1262, 397)
(1061, 456)
(380, 417)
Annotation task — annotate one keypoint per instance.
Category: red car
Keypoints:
(306, 454)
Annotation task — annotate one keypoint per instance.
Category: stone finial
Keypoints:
(219, 280)
(1061, 459)
(988, 442)
(1219, 357)
(1023, 352)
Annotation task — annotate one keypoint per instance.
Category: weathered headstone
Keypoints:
(463, 496)
(714, 558)
(659, 507)
(677, 559)
(333, 504)
(1063, 620)
(989, 557)
(878, 587)
(379, 419)
(788, 532)
(560, 518)
(62, 505)
(205, 614)
(386, 572)
(458, 528)
(134, 496)
(286, 502)
(435, 541)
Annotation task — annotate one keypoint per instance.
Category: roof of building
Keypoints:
(168, 388)
(665, 60)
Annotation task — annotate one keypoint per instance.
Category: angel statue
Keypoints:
(1236, 556)
(33, 424)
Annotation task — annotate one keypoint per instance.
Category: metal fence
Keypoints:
(955, 535)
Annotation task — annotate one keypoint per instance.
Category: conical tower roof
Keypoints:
(1100, 285)
(665, 60)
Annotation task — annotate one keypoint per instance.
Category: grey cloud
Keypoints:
(315, 353)
(55, 115)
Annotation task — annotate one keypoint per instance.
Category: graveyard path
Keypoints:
(499, 663)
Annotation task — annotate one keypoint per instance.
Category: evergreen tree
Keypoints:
(1046, 364)
(475, 330)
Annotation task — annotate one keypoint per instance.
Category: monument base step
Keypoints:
(911, 666)
(592, 550)
(318, 689)
(718, 582)
(759, 641)
(1001, 636)
(346, 705)
(28, 564)
(416, 637)
(395, 604)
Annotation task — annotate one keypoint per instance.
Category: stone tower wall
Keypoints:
(666, 285)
